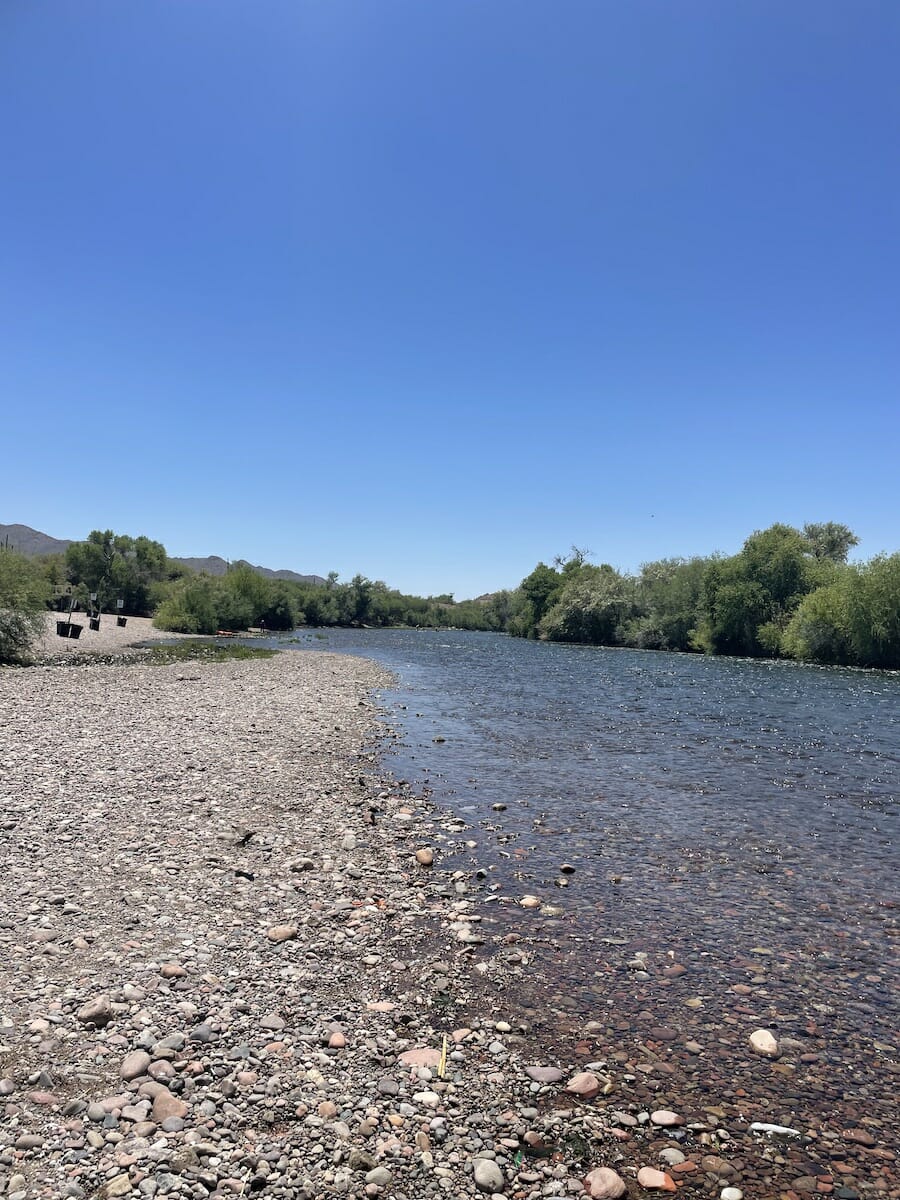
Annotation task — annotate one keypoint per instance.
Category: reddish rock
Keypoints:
(861, 1137)
(134, 1064)
(685, 1168)
(666, 1118)
(584, 1084)
(653, 1180)
(421, 1056)
(166, 1105)
(604, 1184)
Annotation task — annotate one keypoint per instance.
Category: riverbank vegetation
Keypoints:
(787, 593)
(24, 594)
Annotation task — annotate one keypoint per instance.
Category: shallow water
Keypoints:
(738, 818)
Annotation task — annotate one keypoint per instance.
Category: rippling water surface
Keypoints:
(737, 817)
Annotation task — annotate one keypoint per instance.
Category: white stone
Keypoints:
(763, 1042)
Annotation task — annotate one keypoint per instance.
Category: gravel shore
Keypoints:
(235, 960)
(224, 969)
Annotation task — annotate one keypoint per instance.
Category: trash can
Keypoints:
(62, 628)
(95, 623)
(121, 622)
(75, 630)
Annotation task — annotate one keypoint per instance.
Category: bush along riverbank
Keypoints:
(237, 959)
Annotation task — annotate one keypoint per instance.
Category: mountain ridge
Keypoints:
(33, 543)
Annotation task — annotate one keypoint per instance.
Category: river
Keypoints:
(729, 830)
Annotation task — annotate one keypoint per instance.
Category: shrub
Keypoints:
(24, 592)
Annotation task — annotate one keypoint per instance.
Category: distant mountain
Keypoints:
(218, 566)
(33, 543)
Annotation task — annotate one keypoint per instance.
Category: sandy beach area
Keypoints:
(110, 638)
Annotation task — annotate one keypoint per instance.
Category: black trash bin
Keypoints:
(62, 628)
(95, 623)
(75, 630)
(121, 622)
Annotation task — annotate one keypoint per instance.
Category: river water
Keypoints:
(732, 829)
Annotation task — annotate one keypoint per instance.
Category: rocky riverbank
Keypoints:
(233, 964)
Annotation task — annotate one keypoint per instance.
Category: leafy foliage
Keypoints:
(24, 592)
(786, 593)
(118, 567)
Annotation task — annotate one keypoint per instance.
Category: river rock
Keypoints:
(165, 1106)
(134, 1064)
(545, 1074)
(120, 1185)
(713, 1164)
(584, 1084)
(666, 1118)
(421, 1056)
(651, 1179)
(603, 1183)
(488, 1176)
(764, 1042)
(425, 856)
(282, 933)
(96, 1012)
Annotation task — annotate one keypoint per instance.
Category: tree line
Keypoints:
(787, 593)
(134, 576)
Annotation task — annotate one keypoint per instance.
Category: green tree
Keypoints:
(668, 596)
(749, 598)
(280, 611)
(591, 607)
(829, 540)
(537, 591)
(117, 567)
(24, 592)
(873, 612)
(191, 606)
(819, 630)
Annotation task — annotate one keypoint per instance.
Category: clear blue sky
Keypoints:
(433, 289)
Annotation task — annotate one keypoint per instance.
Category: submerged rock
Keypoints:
(603, 1183)
(764, 1042)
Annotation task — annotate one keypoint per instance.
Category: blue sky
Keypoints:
(432, 291)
